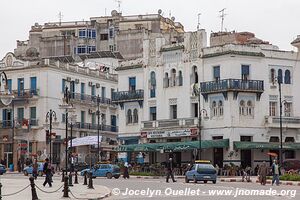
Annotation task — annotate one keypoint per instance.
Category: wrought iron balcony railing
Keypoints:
(232, 85)
(84, 98)
(185, 122)
(126, 96)
(25, 94)
(91, 126)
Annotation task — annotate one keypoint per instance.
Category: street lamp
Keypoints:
(72, 120)
(196, 91)
(98, 127)
(49, 116)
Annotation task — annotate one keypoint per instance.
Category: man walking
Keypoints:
(275, 171)
(170, 170)
(47, 171)
(262, 173)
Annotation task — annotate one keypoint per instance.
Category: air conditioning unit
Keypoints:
(91, 111)
(69, 79)
(97, 85)
(90, 83)
(77, 81)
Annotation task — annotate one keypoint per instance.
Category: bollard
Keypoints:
(33, 190)
(85, 179)
(90, 186)
(63, 176)
(0, 191)
(70, 179)
(76, 177)
(66, 187)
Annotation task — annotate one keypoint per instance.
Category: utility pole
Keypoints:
(198, 26)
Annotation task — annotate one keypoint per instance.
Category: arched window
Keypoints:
(129, 116)
(221, 109)
(249, 108)
(135, 116)
(152, 85)
(173, 77)
(194, 75)
(272, 76)
(166, 80)
(180, 79)
(242, 107)
(279, 77)
(214, 109)
(287, 77)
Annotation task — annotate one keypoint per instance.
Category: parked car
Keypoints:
(291, 165)
(2, 169)
(103, 170)
(201, 170)
(77, 166)
(28, 170)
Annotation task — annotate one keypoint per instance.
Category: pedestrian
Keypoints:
(47, 172)
(126, 172)
(217, 169)
(170, 166)
(35, 167)
(262, 173)
(57, 167)
(256, 170)
(275, 172)
(248, 173)
(19, 165)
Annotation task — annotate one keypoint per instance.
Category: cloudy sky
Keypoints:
(276, 21)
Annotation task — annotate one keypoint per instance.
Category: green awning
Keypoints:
(174, 146)
(265, 145)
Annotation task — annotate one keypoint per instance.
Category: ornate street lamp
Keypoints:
(98, 127)
(49, 116)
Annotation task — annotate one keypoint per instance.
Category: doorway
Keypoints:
(246, 158)
(218, 157)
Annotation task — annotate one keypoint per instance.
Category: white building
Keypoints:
(239, 101)
(38, 86)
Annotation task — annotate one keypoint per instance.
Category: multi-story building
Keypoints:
(239, 103)
(114, 33)
(38, 86)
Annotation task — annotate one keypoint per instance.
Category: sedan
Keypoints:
(201, 171)
(28, 170)
(103, 170)
(2, 169)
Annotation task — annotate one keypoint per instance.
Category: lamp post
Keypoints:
(98, 127)
(280, 119)
(49, 116)
(72, 120)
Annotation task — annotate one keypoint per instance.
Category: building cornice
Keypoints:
(241, 53)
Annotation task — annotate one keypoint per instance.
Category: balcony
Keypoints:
(90, 126)
(89, 99)
(170, 123)
(232, 85)
(128, 96)
(287, 122)
(20, 123)
(5, 124)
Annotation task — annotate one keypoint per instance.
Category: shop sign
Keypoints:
(169, 133)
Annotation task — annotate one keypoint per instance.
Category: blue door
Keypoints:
(33, 86)
(20, 86)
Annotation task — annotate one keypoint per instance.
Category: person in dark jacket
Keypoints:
(170, 166)
(47, 171)
(126, 172)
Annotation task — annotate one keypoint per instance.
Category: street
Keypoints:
(155, 189)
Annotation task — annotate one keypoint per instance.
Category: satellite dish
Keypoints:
(173, 19)
(159, 11)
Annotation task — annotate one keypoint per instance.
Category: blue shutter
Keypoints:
(279, 78)
(152, 110)
(20, 86)
(9, 82)
(217, 72)
(33, 113)
(245, 69)
(33, 85)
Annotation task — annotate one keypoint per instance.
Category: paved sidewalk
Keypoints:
(78, 191)
(255, 179)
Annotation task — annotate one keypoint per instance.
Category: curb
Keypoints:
(103, 196)
(155, 177)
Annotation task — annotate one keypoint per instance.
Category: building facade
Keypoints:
(38, 87)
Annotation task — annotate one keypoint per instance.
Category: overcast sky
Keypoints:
(277, 21)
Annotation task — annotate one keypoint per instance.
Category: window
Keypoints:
(173, 77)
(81, 50)
(82, 33)
(103, 36)
(91, 49)
(135, 116)
(245, 72)
(152, 113)
(272, 75)
(152, 85)
(93, 119)
(173, 111)
(246, 138)
(289, 154)
(166, 80)
(91, 33)
(129, 116)
(279, 78)
(249, 108)
(220, 108)
(33, 118)
(288, 109)
(111, 32)
(274, 139)
(82, 91)
(194, 76)
(194, 109)
(9, 82)
(180, 79)
(63, 118)
(103, 92)
(20, 86)
(82, 118)
(103, 118)
(112, 90)
(242, 107)
(272, 108)
(33, 85)
(20, 114)
(216, 71)
(289, 139)
(93, 90)
(287, 77)
(214, 109)
(132, 84)
(111, 48)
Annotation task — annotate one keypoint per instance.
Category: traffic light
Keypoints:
(47, 136)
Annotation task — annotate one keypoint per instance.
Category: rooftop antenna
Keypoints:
(198, 26)
(60, 16)
(119, 5)
(222, 16)
(105, 11)
(170, 14)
